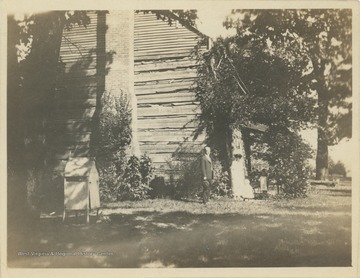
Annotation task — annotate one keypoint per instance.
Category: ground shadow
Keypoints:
(183, 239)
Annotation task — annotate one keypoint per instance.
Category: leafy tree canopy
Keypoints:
(323, 37)
(337, 168)
(248, 79)
(241, 83)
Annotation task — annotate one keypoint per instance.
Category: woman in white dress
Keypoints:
(246, 190)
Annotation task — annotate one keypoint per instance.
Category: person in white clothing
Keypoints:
(246, 191)
(263, 181)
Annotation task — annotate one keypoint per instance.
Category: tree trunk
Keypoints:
(322, 140)
(228, 154)
(322, 156)
(247, 149)
(16, 174)
(30, 96)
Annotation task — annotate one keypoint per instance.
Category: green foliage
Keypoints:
(337, 168)
(115, 123)
(221, 184)
(242, 84)
(323, 37)
(158, 188)
(109, 180)
(270, 94)
(146, 169)
(287, 155)
(36, 24)
(114, 137)
(132, 187)
(185, 181)
(33, 61)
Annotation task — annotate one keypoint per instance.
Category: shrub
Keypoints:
(112, 137)
(222, 184)
(337, 168)
(158, 188)
(185, 180)
(146, 169)
(132, 187)
(287, 155)
(109, 183)
(188, 181)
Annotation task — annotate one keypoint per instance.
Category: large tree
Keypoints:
(243, 83)
(33, 50)
(323, 37)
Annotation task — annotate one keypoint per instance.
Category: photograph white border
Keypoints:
(24, 6)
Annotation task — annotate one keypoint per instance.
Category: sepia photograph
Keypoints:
(205, 139)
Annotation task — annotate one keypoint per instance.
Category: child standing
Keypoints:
(263, 181)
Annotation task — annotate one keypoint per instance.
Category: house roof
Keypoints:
(170, 14)
(187, 25)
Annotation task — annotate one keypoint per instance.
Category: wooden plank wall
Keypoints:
(76, 90)
(164, 86)
(164, 75)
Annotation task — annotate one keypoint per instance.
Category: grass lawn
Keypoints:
(314, 231)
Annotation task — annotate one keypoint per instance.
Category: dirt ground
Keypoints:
(314, 232)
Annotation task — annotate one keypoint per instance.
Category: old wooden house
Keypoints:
(143, 56)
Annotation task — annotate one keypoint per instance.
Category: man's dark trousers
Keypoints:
(206, 191)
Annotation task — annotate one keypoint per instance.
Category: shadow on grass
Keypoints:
(184, 239)
(188, 200)
(345, 192)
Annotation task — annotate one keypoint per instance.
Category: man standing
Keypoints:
(207, 174)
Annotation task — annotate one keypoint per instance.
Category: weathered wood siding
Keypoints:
(164, 79)
(82, 53)
(164, 83)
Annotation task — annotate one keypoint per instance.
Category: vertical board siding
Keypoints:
(76, 91)
(164, 80)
